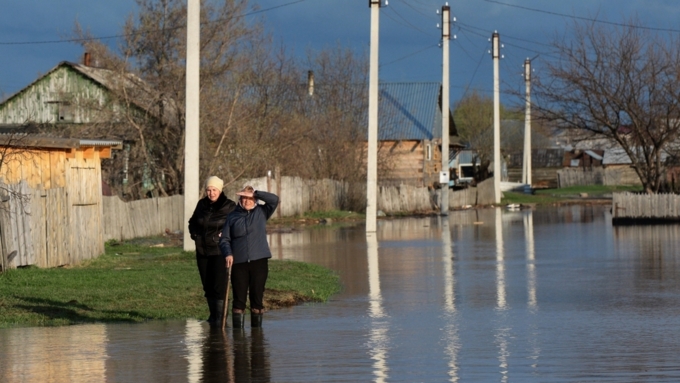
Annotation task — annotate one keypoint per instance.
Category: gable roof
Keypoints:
(409, 111)
(141, 95)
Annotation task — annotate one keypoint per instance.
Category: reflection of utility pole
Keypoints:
(372, 155)
(526, 168)
(495, 49)
(444, 178)
(191, 140)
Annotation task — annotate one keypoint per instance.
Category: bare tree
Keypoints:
(619, 83)
(147, 79)
(256, 111)
(474, 122)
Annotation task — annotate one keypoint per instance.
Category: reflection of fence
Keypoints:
(650, 208)
(142, 218)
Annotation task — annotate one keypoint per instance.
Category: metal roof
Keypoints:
(28, 140)
(116, 144)
(409, 111)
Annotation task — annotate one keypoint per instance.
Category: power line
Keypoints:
(408, 55)
(79, 40)
(405, 22)
(584, 18)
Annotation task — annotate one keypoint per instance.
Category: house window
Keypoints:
(61, 106)
(428, 152)
(65, 112)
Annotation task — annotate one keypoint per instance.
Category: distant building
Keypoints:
(410, 133)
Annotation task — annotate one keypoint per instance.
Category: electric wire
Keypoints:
(82, 39)
(585, 18)
(408, 55)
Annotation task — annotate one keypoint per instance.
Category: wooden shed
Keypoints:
(51, 199)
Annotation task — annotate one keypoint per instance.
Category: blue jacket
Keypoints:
(244, 234)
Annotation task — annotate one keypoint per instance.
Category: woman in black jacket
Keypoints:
(244, 244)
(205, 226)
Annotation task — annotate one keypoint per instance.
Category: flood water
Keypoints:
(551, 295)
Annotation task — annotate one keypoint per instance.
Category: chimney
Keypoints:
(86, 59)
(310, 83)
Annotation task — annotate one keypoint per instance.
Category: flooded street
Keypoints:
(555, 294)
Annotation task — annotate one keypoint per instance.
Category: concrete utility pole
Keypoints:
(526, 168)
(496, 120)
(191, 143)
(444, 177)
(372, 160)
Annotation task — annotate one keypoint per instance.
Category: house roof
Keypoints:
(410, 111)
(26, 140)
(594, 155)
(616, 156)
(141, 94)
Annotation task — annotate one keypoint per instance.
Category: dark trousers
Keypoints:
(248, 280)
(213, 275)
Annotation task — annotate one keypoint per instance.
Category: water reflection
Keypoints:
(545, 295)
(451, 328)
(64, 354)
(378, 340)
(251, 357)
(528, 220)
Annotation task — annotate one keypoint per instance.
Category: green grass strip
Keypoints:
(135, 283)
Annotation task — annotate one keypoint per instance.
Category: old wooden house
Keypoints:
(410, 133)
(79, 100)
(51, 199)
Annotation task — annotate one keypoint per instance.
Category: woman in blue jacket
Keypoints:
(244, 245)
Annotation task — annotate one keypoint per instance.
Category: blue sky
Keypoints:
(409, 40)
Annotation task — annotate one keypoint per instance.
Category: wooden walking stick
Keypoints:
(225, 311)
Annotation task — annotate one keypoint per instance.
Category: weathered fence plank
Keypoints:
(629, 208)
(142, 218)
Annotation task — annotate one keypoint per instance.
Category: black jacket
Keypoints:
(206, 223)
(244, 234)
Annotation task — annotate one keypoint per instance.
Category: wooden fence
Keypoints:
(629, 208)
(597, 176)
(142, 218)
(300, 196)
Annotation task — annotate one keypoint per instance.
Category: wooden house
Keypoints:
(410, 134)
(51, 199)
(79, 100)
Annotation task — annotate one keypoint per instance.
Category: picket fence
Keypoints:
(640, 208)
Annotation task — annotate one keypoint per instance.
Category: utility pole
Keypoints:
(445, 176)
(496, 120)
(526, 168)
(372, 157)
(191, 128)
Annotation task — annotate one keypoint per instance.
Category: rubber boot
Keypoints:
(219, 310)
(211, 307)
(237, 319)
(256, 318)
